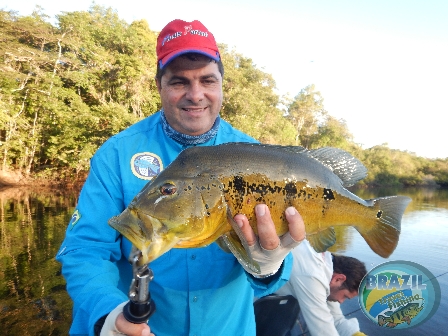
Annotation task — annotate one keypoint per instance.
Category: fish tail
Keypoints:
(383, 237)
(381, 320)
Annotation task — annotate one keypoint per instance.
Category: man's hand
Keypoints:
(268, 249)
(132, 329)
(115, 325)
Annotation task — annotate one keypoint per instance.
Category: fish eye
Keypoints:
(168, 189)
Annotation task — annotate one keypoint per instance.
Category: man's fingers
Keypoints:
(248, 233)
(132, 329)
(267, 234)
(296, 224)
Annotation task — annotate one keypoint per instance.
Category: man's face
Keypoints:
(340, 294)
(191, 93)
(337, 290)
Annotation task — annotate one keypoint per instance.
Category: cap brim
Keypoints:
(214, 55)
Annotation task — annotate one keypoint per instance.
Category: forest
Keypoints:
(66, 87)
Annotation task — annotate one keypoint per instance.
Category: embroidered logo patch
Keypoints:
(146, 165)
(75, 218)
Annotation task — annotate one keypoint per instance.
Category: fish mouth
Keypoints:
(144, 232)
(129, 225)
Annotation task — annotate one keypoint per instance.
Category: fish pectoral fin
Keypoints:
(322, 240)
(239, 232)
(244, 257)
(222, 244)
(237, 244)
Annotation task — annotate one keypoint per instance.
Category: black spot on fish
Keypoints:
(291, 189)
(239, 184)
(328, 194)
(302, 193)
(379, 214)
(237, 190)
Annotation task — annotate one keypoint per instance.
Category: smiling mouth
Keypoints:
(195, 109)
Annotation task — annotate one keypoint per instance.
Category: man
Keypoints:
(321, 282)
(198, 291)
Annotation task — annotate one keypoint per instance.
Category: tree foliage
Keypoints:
(307, 113)
(66, 88)
(250, 102)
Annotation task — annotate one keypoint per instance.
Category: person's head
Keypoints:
(189, 76)
(348, 273)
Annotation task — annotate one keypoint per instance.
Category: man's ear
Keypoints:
(158, 84)
(338, 279)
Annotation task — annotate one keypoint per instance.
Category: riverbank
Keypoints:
(10, 179)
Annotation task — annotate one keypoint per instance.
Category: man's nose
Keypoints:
(195, 93)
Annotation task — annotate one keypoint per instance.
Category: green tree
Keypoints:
(27, 77)
(306, 112)
(250, 102)
(66, 89)
(332, 133)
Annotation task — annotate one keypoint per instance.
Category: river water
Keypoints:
(33, 300)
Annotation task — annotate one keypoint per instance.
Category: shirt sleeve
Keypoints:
(312, 297)
(345, 327)
(91, 250)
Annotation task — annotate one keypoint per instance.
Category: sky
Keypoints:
(380, 65)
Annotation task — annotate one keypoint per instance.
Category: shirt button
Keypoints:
(193, 257)
(195, 299)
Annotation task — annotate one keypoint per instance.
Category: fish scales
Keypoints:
(192, 202)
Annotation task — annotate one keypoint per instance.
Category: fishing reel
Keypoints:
(140, 306)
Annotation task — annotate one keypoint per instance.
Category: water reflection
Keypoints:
(33, 300)
(423, 240)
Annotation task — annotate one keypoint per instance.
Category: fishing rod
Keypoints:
(140, 306)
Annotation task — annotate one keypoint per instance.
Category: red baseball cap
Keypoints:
(181, 37)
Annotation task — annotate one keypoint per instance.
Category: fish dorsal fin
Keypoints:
(322, 240)
(348, 168)
(289, 149)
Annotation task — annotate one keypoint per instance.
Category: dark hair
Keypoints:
(191, 57)
(353, 269)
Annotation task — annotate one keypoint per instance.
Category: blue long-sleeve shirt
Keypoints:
(197, 291)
